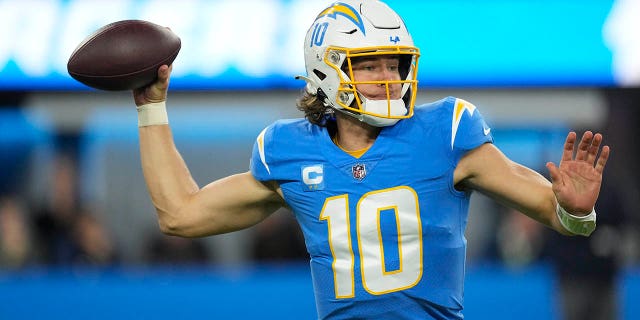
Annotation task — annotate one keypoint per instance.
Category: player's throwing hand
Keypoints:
(155, 92)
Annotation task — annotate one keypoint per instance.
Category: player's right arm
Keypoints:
(229, 204)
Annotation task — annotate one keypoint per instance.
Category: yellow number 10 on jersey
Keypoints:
(403, 201)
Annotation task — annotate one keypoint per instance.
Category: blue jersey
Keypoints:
(385, 232)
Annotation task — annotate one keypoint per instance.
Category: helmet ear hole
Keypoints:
(319, 74)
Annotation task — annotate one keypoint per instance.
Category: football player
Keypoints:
(379, 186)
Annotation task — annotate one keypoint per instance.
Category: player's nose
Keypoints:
(388, 73)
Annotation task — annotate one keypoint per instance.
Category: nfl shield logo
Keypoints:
(359, 171)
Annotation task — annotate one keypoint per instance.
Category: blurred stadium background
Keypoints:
(78, 236)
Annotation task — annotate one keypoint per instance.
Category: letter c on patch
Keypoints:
(312, 175)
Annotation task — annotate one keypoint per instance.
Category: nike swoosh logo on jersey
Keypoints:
(486, 130)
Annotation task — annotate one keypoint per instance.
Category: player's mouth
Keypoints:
(382, 96)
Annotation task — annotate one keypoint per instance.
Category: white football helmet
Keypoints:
(357, 28)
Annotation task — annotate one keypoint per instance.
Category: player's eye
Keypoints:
(364, 67)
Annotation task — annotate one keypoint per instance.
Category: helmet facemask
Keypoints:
(380, 111)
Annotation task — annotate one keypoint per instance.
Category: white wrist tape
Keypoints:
(152, 114)
(580, 225)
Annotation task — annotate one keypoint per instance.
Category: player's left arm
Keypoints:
(575, 187)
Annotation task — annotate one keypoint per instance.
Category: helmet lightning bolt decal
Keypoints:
(458, 110)
(343, 9)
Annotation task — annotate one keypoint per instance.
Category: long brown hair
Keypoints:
(314, 109)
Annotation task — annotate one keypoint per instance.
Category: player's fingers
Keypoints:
(554, 172)
(155, 92)
(161, 85)
(567, 153)
(594, 148)
(583, 147)
(163, 73)
(602, 161)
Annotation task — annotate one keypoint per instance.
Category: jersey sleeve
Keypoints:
(276, 151)
(468, 128)
(259, 164)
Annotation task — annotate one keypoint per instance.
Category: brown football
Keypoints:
(123, 55)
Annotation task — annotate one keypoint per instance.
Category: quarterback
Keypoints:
(379, 185)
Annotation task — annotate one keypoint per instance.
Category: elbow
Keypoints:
(183, 223)
(172, 224)
(169, 228)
